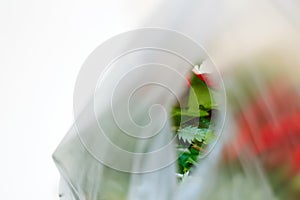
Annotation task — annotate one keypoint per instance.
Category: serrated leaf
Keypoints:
(190, 133)
(187, 134)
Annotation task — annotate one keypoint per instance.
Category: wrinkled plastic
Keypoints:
(264, 47)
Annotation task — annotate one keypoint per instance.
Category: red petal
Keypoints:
(207, 79)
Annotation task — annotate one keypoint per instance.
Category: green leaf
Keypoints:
(209, 137)
(199, 95)
(192, 123)
(189, 112)
(190, 133)
(187, 134)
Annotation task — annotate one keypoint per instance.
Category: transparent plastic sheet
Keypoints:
(104, 154)
(216, 177)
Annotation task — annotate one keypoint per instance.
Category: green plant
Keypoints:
(192, 123)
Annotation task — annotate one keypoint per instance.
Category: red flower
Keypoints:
(270, 128)
(205, 77)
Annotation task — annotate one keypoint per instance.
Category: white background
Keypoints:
(42, 46)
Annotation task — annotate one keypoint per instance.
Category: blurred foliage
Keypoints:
(191, 124)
